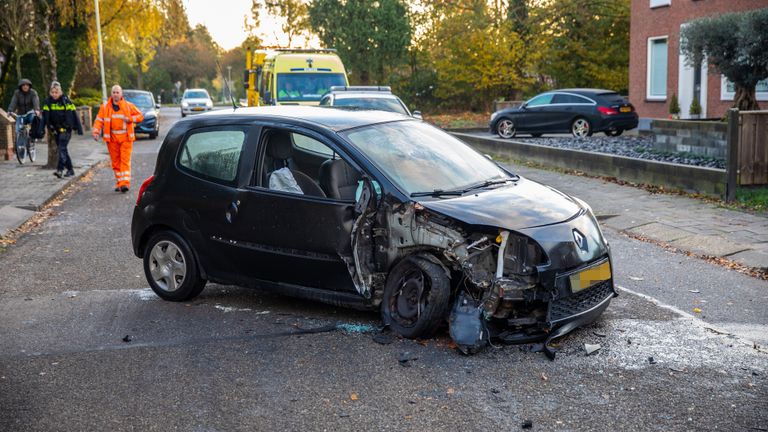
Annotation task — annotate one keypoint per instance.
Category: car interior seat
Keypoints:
(279, 150)
(338, 179)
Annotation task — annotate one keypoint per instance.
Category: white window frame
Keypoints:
(648, 95)
(726, 95)
(660, 3)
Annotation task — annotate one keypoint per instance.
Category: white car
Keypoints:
(195, 101)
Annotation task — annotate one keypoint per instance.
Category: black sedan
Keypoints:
(145, 102)
(374, 210)
(581, 112)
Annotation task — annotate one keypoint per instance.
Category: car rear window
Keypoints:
(213, 154)
(612, 98)
(196, 95)
(372, 103)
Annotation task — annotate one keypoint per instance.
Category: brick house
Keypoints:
(657, 70)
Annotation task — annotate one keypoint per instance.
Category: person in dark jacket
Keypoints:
(60, 117)
(24, 100)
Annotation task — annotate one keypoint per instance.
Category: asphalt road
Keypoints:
(71, 290)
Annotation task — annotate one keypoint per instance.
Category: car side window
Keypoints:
(544, 99)
(296, 163)
(569, 99)
(213, 154)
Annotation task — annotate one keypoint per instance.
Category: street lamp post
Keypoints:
(101, 54)
(229, 81)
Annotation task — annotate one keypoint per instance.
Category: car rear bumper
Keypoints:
(624, 122)
(189, 111)
(147, 126)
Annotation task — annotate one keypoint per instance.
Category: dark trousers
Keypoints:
(62, 141)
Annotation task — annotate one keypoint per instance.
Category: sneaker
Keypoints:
(69, 174)
(58, 174)
(124, 189)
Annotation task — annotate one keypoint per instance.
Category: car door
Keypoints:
(535, 113)
(563, 109)
(291, 237)
(213, 164)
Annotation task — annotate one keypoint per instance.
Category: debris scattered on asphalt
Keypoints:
(127, 338)
(635, 278)
(629, 341)
(343, 415)
(495, 391)
(527, 424)
(651, 360)
(406, 358)
(591, 348)
(356, 328)
(676, 369)
(599, 334)
(544, 377)
(353, 396)
(227, 309)
(450, 390)
(694, 291)
(697, 310)
(384, 338)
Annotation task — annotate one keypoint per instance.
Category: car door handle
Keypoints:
(232, 210)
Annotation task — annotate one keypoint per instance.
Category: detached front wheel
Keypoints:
(416, 297)
(170, 267)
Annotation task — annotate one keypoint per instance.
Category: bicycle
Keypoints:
(25, 146)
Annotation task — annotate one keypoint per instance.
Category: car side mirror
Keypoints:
(157, 105)
(368, 198)
(417, 114)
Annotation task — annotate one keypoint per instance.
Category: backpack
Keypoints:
(37, 128)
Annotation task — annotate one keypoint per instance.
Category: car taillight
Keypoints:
(607, 110)
(144, 187)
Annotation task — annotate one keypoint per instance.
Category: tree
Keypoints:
(294, 14)
(733, 44)
(17, 26)
(371, 36)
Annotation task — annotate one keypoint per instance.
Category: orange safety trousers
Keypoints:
(120, 153)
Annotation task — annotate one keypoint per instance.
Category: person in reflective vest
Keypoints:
(115, 123)
(60, 117)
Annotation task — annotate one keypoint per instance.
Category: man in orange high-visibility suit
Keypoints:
(115, 122)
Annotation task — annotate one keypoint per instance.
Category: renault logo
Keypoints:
(580, 240)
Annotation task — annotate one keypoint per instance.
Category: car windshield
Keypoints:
(196, 95)
(420, 158)
(374, 103)
(303, 87)
(141, 100)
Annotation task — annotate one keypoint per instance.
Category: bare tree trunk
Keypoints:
(48, 67)
(745, 99)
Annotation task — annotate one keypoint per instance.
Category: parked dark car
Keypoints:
(581, 112)
(367, 97)
(373, 210)
(145, 102)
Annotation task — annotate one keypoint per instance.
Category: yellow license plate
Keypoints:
(591, 276)
(625, 109)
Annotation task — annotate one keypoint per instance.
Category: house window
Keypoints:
(728, 90)
(659, 3)
(657, 69)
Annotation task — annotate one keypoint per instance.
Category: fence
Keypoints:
(747, 150)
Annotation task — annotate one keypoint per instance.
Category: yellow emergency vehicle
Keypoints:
(287, 76)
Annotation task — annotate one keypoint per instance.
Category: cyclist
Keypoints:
(24, 100)
(60, 117)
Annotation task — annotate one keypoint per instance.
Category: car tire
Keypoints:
(183, 115)
(505, 128)
(171, 268)
(536, 135)
(416, 297)
(614, 132)
(581, 128)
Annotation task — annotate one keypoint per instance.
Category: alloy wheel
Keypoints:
(580, 128)
(506, 128)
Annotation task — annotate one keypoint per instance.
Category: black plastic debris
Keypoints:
(406, 358)
(384, 338)
(651, 360)
(527, 424)
(495, 391)
(127, 338)
(466, 325)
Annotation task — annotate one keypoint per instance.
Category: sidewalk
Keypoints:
(685, 223)
(24, 189)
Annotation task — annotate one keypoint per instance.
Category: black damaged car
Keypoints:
(372, 210)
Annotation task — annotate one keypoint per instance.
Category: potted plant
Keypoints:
(674, 107)
(695, 110)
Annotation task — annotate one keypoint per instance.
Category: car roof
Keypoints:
(195, 89)
(584, 91)
(329, 117)
(135, 91)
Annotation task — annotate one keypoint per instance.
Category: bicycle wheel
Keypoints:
(31, 150)
(21, 147)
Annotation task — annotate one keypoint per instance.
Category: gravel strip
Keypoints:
(639, 147)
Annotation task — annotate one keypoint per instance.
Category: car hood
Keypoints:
(519, 205)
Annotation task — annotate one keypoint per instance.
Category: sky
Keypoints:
(224, 19)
